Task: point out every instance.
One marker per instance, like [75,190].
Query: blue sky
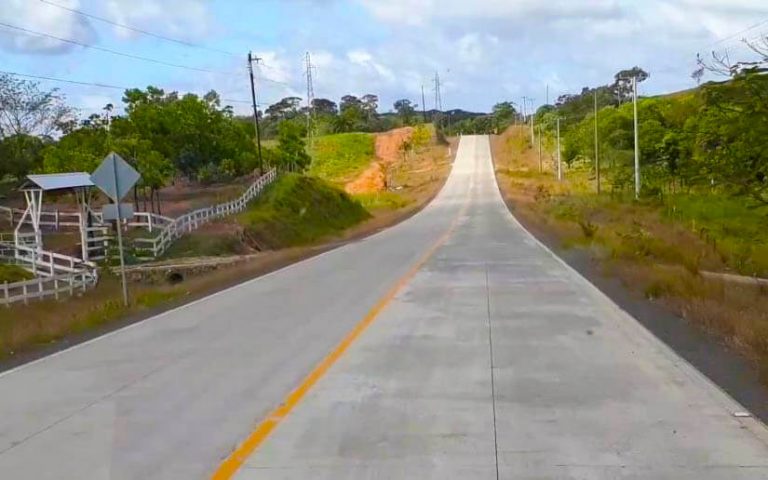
[484,50]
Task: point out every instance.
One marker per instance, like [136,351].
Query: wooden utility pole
[251,59]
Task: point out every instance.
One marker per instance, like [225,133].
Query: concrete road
[493,360]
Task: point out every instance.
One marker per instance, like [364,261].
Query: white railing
[56,274]
[44,287]
[48,218]
[150,248]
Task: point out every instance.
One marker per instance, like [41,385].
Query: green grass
[299,210]
[738,231]
[204,244]
[340,158]
[381,200]
[14,273]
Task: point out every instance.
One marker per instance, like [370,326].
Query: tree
[369,105]
[504,113]
[405,109]
[25,109]
[286,108]
[20,154]
[323,106]
[291,148]
[622,85]
[732,130]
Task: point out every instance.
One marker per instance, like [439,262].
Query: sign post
[115,177]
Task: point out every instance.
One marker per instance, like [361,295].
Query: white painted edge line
[755,426]
[145,321]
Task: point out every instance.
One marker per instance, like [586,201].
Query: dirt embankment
[374,178]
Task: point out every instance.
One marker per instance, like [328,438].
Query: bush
[298,210]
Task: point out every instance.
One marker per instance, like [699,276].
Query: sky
[484,51]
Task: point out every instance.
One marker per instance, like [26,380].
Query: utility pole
[423,105]
[251,59]
[541,165]
[530,121]
[310,101]
[597,150]
[637,141]
[559,164]
[525,113]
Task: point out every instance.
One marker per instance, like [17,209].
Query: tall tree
[622,85]
[26,109]
[291,147]
[323,106]
[406,109]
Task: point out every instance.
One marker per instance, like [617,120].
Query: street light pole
[541,166]
[559,164]
[597,150]
[637,141]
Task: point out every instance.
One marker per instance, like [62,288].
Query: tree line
[709,138]
[169,136]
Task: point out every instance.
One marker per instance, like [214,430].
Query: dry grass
[653,253]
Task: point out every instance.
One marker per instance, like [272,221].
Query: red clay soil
[373,179]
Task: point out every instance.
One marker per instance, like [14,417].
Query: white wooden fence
[48,218]
[151,248]
[57,274]
[44,287]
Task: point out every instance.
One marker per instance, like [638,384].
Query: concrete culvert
[173,277]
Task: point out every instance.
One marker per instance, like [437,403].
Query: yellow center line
[229,467]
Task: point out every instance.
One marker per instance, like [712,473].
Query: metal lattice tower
[438,96]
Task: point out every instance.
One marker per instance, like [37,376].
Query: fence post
[6,295]
[82,280]
[56,287]
[71,280]
[24,293]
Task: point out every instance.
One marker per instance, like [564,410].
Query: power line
[91,84]
[110,51]
[734,35]
[138,30]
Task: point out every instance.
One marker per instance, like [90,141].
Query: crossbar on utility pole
[251,59]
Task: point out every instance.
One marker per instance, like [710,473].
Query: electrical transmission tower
[438,96]
[310,99]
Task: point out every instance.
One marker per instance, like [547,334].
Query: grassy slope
[14,273]
[340,158]
[657,248]
[298,210]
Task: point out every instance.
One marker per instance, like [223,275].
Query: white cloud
[362,58]
[40,17]
[180,18]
